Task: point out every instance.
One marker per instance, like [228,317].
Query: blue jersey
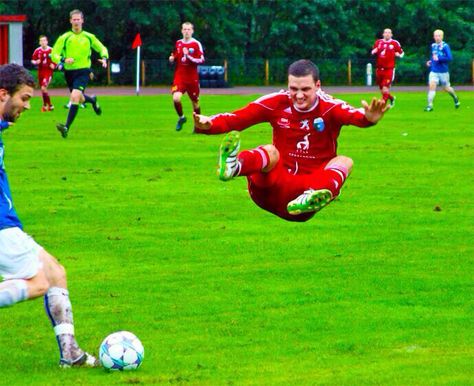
[443,52]
[8,216]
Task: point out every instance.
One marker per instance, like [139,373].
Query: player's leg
[433,83]
[59,310]
[233,164]
[19,266]
[177,92]
[193,92]
[450,90]
[325,186]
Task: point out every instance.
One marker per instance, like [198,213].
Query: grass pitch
[375,289]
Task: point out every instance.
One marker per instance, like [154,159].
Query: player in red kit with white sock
[300,172]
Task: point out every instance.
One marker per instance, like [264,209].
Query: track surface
[241,90]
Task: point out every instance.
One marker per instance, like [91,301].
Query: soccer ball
[121,350]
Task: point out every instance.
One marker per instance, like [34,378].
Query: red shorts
[273,191]
[192,88]
[384,77]
[44,78]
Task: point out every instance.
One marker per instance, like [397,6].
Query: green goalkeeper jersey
[77,46]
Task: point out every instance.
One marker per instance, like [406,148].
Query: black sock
[72,115]
[88,99]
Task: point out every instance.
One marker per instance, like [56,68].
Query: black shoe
[63,129]
[95,106]
[181,122]
[457,103]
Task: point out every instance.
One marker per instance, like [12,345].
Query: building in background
[11,38]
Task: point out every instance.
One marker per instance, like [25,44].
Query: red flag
[137,42]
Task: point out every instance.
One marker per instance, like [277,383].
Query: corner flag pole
[137,42]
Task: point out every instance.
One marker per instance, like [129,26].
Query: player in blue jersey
[439,70]
[29,271]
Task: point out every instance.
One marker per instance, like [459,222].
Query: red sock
[45,98]
[179,108]
[334,178]
[385,96]
[48,99]
[253,161]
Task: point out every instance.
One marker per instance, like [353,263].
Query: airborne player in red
[42,58]
[187,55]
[386,49]
[300,173]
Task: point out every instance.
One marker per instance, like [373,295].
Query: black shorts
[77,79]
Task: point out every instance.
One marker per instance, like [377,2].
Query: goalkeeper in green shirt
[74,49]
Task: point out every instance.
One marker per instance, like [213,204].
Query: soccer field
[376,289]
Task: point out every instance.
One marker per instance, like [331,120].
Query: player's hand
[374,51]
[52,66]
[375,111]
[428,63]
[397,54]
[202,122]
[103,62]
[171,58]
[435,58]
[69,60]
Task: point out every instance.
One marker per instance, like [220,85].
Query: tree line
[248,29]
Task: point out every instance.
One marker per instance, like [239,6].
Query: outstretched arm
[238,120]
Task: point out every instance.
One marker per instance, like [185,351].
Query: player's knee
[38,286]
[273,156]
[177,97]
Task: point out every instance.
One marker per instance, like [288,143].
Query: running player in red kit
[187,55]
[386,50]
[42,58]
[300,173]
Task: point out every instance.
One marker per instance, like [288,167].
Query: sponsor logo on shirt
[284,123]
[318,124]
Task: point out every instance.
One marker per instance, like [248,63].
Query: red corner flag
[137,42]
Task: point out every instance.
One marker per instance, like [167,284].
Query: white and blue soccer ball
[121,350]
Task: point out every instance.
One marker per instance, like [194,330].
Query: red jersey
[386,50]
[305,139]
[45,59]
[186,65]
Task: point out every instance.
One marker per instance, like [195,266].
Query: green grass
[375,289]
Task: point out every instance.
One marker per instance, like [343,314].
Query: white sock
[13,291]
[59,310]
[431,95]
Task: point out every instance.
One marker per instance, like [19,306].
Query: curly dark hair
[13,76]
[304,67]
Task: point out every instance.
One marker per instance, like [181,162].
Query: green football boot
[228,163]
[310,201]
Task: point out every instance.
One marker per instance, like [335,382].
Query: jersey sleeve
[98,47]
[35,55]
[345,114]
[399,49]
[447,57]
[198,55]
[58,48]
[241,119]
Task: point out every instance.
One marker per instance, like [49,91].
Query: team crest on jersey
[191,50]
[318,124]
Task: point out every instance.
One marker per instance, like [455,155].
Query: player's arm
[34,58]
[198,56]
[375,48]
[98,47]
[447,57]
[399,51]
[241,119]
[366,116]
[58,49]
